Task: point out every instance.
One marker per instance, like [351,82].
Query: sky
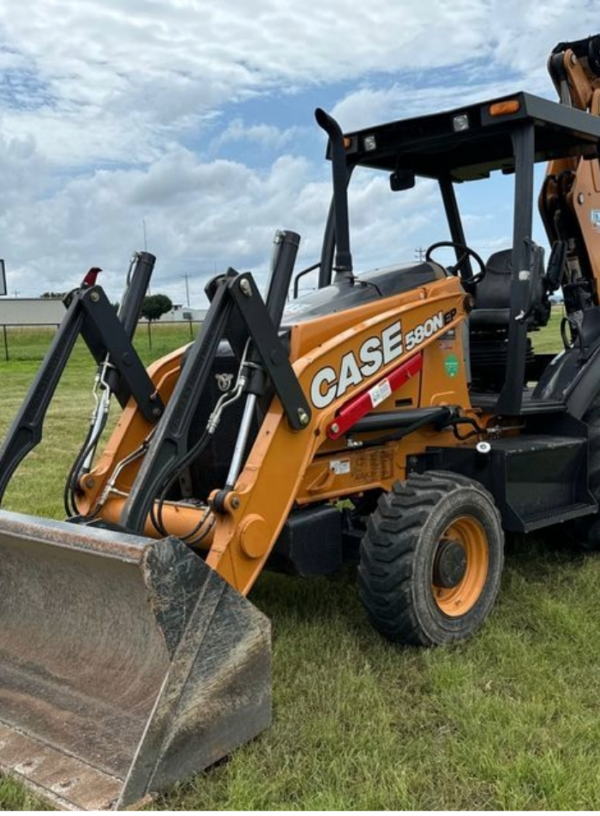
[187,127]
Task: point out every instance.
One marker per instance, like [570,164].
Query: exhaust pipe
[343,256]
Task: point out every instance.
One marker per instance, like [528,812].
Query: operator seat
[492,294]
[490,319]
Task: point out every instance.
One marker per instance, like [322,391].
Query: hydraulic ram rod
[284,257]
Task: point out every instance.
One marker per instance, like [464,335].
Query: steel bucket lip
[83,655]
[215,692]
[57,795]
[112,544]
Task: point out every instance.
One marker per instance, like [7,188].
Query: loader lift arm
[109,339]
[235,296]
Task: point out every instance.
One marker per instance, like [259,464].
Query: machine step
[537,521]
[536,479]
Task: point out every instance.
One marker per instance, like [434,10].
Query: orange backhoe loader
[400,418]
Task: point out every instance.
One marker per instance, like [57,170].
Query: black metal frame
[517,130]
[510,400]
[237,313]
[538,478]
[108,336]
[453,217]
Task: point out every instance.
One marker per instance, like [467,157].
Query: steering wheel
[466,252]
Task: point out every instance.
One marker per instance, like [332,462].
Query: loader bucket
[125,663]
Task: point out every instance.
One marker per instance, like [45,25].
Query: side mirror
[556,265]
[402,180]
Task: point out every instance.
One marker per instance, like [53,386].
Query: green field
[508,720]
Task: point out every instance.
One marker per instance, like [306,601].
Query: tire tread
[387,552]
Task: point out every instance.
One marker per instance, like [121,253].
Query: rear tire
[431,560]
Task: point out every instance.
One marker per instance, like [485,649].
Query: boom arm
[570,195]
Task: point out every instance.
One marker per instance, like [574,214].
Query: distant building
[50,311]
[31,311]
[183,313]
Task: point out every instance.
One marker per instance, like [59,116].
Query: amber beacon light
[504,108]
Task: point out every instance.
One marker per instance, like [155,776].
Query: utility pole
[187,288]
[420,254]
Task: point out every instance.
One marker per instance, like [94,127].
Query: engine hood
[346,294]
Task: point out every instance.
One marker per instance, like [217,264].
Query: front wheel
[431,559]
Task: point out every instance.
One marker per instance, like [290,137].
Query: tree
[156,305]
[49,295]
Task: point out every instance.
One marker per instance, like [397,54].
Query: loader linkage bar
[91,315]
[237,313]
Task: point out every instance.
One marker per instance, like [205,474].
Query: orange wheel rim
[457,600]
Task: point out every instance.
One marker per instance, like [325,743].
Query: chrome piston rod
[285,249]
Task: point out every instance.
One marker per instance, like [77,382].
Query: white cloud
[130,75]
[102,106]
[264,135]
[198,217]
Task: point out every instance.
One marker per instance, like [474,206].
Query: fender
[571,380]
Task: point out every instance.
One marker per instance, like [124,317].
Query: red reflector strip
[354,410]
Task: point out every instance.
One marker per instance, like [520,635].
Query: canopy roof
[469,142]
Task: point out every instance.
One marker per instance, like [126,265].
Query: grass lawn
[508,720]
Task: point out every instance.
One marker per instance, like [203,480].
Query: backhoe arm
[575,71]
[569,200]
